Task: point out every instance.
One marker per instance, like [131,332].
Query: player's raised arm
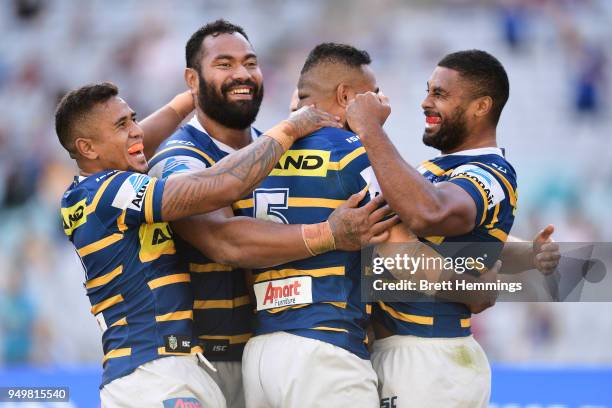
[238,174]
[221,236]
[444,209]
[160,124]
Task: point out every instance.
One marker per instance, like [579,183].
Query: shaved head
[332,75]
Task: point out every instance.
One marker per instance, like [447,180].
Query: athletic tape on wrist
[182,104]
[318,238]
[282,133]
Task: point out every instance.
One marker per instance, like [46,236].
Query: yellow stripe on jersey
[222,304]
[369,308]
[483,194]
[74,216]
[432,168]
[94,203]
[180,315]
[120,322]
[410,318]
[325,328]
[314,202]
[104,279]
[236,339]
[169,280]
[193,149]
[435,239]
[105,304]
[506,183]
[149,201]
[499,234]
[346,160]
[162,351]
[465,323]
[283,308]
[340,305]
[121,222]
[122,352]
[286,273]
[495,218]
[100,244]
[296,202]
[209,267]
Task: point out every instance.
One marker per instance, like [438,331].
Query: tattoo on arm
[222,184]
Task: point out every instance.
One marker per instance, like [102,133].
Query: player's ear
[192,80]
[344,94]
[85,148]
[483,106]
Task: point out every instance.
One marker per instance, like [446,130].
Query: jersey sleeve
[179,164]
[482,185]
[131,199]
[354,170]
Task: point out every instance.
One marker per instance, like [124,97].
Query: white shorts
[163,383]
[431,372]
[282,370]
[229,379]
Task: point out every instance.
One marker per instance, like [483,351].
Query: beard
[452,132]
[232,114]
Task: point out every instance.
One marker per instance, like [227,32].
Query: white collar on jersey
[228,149]
[477,152]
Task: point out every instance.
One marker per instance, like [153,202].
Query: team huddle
[223,263]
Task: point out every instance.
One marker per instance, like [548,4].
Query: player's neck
[235,138]
[476,140]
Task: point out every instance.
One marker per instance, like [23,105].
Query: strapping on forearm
[318,238]
[182,104]
[283,134]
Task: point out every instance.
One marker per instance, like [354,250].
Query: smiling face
[446,108]
[230,88]
[111,138]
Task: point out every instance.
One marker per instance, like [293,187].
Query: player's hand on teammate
[367,111]
[546,253]
[354,228]
[485,299]
[309,119]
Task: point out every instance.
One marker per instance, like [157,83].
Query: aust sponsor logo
[155,240]
[132,192]
[313,163]
[283,292]
[489,184]
[74,216]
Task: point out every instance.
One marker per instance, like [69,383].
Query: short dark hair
[334,52]
[485,72]
[75,105]
[193,49]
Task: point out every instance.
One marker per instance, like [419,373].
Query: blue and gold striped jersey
[318,297]
[139,291]
[491,182]
[222,307]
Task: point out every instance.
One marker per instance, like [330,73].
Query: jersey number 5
[268,200]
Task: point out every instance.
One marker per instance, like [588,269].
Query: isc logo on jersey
[313,163]
[131,193]
[283,292]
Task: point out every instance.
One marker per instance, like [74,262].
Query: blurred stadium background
[556,129]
